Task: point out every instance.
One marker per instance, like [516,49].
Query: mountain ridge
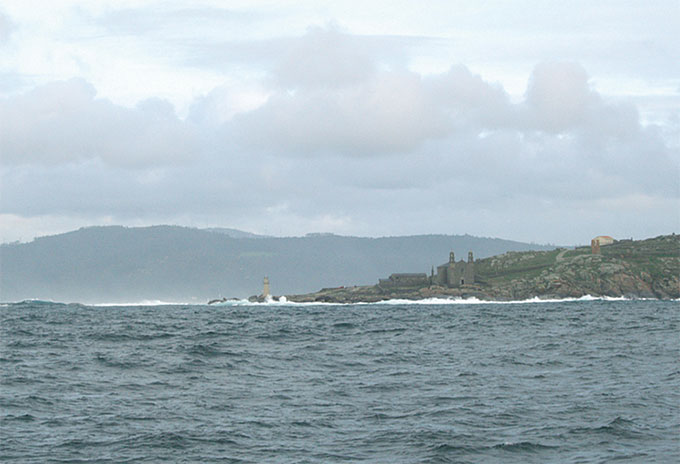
[118,263]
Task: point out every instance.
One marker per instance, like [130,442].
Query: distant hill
[234,233]
[171,263]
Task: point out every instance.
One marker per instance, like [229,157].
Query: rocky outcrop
[637,269]
[587,275]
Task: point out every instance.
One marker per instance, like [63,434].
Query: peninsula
[615,268]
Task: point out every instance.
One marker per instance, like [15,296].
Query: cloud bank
[345,141]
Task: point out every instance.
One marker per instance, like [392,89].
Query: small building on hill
[599,241]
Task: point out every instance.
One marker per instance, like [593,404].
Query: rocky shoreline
[627,268]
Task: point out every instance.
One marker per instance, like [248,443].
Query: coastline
[285,302]
[644,269]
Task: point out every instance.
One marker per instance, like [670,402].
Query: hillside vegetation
[639,269]
[120,264]
[644,268]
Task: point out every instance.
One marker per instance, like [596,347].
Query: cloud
[6,27]
[63,122]
[169,19]
[385,114]
[337,135]
[559,96]
[332,96]
[325,59]
[465,100]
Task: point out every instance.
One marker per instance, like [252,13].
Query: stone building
[599,241]
[455,274]
[452,274]
[405,280]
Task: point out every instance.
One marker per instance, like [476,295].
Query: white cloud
[386,113]
[329,129]
[6,27]
[64,122]
[323,59]
[559,97]
[450,141]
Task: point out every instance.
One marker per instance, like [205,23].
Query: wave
[473,301]
[283,301]
[147,303]
[33,301]
[37,302]
[523,446]
[432,301]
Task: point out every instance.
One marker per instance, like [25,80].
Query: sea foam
[284,302]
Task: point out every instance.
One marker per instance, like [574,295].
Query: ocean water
[558,382]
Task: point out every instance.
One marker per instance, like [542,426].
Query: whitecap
[144,303]
[283,301]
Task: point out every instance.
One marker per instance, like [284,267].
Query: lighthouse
[265,290]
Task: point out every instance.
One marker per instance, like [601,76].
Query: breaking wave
[433,301]
[146,303]
[284,302]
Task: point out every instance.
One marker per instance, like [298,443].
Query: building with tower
[452,275]
[455,274]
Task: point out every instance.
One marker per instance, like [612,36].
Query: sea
[571,381]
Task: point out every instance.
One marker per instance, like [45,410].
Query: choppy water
[587,382]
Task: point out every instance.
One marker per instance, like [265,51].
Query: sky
[541,121]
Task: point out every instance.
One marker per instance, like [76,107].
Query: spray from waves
[430,301]
[146,303]
[281,302]
[284,302]
[38,302]
[473,300]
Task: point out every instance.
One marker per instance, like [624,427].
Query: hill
[643,269]
[170,263]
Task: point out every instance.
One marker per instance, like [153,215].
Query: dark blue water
[584,381]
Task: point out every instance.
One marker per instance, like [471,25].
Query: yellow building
[599,241]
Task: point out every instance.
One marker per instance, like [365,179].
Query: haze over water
[571,381]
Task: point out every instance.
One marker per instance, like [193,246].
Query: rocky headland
[626,268]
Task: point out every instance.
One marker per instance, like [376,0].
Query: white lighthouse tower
[265,290]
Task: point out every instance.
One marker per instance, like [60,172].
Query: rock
[644,269]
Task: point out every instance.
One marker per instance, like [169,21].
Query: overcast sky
[545,121]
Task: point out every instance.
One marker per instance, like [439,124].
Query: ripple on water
[579,381]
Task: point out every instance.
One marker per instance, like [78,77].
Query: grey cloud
[288,59]
[447,136]
[13,81]
[325,58]
[64,122]
[164,20]
[448,185]
[6,26]
[395,112]
[466,100]
[337,98]
[387,113]
[345,139]
[559,96]
[211,109]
